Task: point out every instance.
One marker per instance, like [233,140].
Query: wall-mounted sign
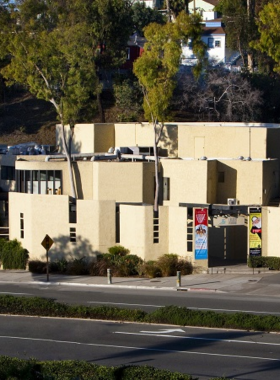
[201,233]
[255,232]
[228,221]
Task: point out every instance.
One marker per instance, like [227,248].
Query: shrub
[37,266]
[13,255]
[168,264]
[59,266]
[151,269]
[128,266]
[121,266]
[78,267]
[264,262]
[118,250]
[185,267]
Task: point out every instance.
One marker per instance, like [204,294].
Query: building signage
[223,221]
[255,232]
[201,233]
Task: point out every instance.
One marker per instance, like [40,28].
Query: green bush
[264,262]
[118,250]
[58,266]
[13,368]
[121,266]
[168,264]
[151,269]
[185,267]
[37,266]
[78,267]
[13,255]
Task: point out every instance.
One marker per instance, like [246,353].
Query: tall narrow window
[166,188]
[117,224]
[156,228]
[21,225]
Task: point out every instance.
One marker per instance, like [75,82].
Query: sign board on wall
[201,233]
[255,232]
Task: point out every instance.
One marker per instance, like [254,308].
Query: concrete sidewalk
[265,283]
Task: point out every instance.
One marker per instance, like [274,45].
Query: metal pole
[178,278]
[109,276]
[47,265]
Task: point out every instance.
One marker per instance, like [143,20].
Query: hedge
[174,315]
[19,369]
[264,262]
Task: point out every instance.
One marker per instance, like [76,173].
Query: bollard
[109,276]
[178,278]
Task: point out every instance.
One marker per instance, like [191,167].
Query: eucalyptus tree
[157,67]
[56,49]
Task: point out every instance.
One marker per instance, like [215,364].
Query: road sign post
[47,243]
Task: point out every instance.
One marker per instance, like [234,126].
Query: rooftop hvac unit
[232,201]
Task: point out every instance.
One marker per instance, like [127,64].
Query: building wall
[270,231]
[96,224]
[136,232]
[142,134]
[188,180]
[122,181]
[227,140]
[88,138]
[42,214]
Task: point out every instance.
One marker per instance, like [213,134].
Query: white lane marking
[139,348]
[236,311]
[27,294]
[121,303]
[163,331]
[159,334]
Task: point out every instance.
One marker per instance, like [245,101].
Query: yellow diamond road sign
[47,242]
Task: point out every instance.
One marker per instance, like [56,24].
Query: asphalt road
[150,299]
[204,353]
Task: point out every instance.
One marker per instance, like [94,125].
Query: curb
[89,285]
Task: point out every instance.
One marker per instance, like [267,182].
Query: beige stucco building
[227,169]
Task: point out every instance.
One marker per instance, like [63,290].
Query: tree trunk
[168,11]
[69,163]
[250,15]
[156,199]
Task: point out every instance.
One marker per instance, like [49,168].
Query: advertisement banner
[255,232]
[201,233]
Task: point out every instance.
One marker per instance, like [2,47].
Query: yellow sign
[47,242]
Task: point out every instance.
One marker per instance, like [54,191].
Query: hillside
[24,118]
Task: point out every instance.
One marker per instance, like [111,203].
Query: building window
[156,228]
[210,43]
[73,234]
[117,224]
[8,173]
[128,54]
[21,225]
[218,43]
[166,188]
[39,181]
[221,177]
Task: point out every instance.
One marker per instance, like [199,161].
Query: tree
[143,16]
[269,29]
[156,70]
[50,50]
[220,96]
[57,48]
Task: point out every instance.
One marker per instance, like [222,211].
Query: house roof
[212,2]
[207,31]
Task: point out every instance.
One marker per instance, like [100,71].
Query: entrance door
[227,245]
